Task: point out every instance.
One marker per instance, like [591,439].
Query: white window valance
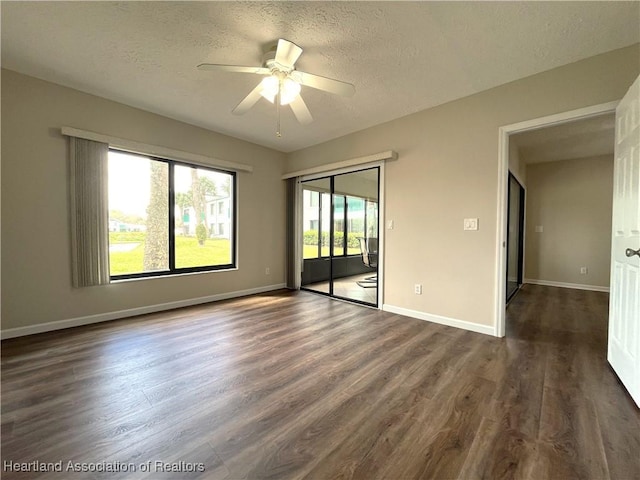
[343,164]
[159,151]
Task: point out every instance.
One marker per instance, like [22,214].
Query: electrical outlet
[267,271]
[583,270]
[471,224]
[390,224]
[539,229]
[417,288]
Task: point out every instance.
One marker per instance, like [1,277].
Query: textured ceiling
[401,56]
[580,139]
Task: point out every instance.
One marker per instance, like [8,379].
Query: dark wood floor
[294,385]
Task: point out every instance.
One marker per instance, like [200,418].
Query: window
[158,217]
[353,217]
[371,219]
[355,224]
[339,211]
[311,225]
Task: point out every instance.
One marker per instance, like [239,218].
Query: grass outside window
[214,251]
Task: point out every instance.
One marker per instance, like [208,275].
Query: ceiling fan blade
[301,111]
[323,83]
[234,68]
[249,101]
[287,53]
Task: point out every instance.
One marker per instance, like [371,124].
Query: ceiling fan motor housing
[269,53]
[269,61]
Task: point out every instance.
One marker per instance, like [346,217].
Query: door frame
[503,179]
[381,217]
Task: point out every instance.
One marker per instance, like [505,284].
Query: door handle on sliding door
[630,252]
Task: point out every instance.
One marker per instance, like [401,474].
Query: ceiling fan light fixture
[290,90]
[271,84]
[269,88]
[281,79]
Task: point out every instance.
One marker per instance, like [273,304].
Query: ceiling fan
[281,82]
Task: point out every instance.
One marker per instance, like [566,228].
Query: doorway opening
[505,164]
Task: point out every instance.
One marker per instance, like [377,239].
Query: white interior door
[624,309]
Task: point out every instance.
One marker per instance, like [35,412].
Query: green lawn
[188,253]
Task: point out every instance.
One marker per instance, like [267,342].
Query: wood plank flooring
[295,385]
[348,288]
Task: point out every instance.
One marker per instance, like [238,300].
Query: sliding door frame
[381,222]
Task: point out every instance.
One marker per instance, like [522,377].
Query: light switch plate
[471,224]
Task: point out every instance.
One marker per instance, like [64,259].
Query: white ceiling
[580,139]
[401,56]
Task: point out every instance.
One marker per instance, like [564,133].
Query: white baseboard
[577,286]
[450,322]
[103,317]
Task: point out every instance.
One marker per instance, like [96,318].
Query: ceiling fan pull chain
[278,134]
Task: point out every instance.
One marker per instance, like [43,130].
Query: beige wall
[516,166]
[572,201]
[448,170]
[36,278]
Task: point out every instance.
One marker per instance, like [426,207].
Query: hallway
[585,423]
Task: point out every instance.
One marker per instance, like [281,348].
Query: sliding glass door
[316,227]
[340,235]
[515,229]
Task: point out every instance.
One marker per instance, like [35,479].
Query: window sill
[173,275]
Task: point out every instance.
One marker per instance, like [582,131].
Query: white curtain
[89,212]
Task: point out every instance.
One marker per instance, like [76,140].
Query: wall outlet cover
[471,224]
